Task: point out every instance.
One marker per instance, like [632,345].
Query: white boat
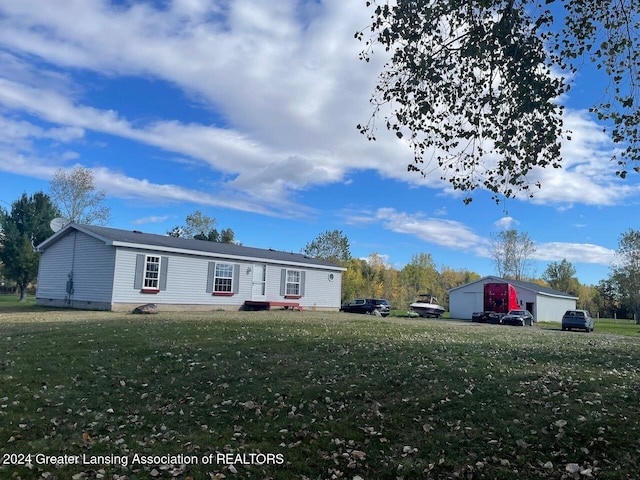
[427,306]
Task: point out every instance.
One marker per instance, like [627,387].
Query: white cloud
[284,79]
[447,233]
[142,190]
[458,236]
[574,252]
[283,75]
[506,222]
[151,219]
[588,174]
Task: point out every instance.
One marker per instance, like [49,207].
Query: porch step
[267,304]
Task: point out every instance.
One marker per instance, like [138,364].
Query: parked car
[580,319]
[486,317]
[518,317]
[372,306]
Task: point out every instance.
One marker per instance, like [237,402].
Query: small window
[293,282]
[223,278]
[152,273]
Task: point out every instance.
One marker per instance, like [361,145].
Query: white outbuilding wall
[546,304]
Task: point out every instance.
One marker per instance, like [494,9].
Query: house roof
[137,239]
[534,287]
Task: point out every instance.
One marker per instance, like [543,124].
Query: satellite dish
[57,223]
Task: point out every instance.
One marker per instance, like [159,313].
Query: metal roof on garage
[520,284]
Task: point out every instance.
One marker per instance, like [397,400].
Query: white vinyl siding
[188,278]
[90,262]
[113,276]
[469,298]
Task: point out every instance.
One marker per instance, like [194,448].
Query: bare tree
[76,197]
[511,253]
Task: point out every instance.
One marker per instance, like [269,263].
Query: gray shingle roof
[539,288]
[197,246]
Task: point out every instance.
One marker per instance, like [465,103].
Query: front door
[258,291]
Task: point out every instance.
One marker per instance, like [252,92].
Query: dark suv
[372,306]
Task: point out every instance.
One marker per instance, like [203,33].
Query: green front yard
[311,395]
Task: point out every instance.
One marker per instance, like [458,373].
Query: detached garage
[544,303]
[99,268]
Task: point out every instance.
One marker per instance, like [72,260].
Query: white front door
[258,291]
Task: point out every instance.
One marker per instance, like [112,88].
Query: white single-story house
[544,303]
[100,268]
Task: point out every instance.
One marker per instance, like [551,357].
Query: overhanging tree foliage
[25,227]
[473,85]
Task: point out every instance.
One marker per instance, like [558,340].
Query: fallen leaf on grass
[572,468]
[560,423]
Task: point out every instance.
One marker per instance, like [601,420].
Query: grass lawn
[605,325]
[11,302]
[311,395]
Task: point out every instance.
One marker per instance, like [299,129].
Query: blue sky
[246,110]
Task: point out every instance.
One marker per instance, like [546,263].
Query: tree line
[27,224]
[372,277]
[511,252]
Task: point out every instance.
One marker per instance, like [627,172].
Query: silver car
[578,319]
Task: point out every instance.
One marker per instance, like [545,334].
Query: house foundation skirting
[79,304]
[128,307]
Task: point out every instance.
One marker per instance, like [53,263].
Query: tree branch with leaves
[473,86]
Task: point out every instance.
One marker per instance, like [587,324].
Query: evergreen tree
[24,228]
